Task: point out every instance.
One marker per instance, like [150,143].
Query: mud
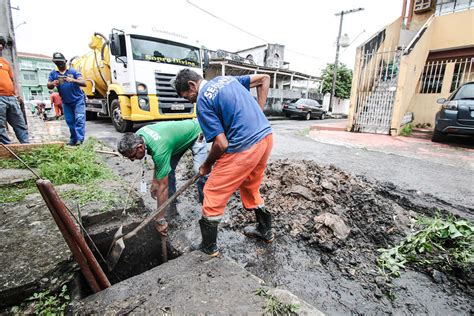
[329,226]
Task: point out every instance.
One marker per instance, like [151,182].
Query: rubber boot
[209,237]
[263,230]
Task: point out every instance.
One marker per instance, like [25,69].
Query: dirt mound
[319,199]
[325,215]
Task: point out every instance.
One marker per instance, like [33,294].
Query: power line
[228,23]
[247,32]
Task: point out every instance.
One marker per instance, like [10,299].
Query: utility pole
[9,51]
[338,45]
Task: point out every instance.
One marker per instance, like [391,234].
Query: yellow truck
[129,76]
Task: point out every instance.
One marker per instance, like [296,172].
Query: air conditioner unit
[422,6]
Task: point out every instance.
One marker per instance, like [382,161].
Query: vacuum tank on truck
[129,76]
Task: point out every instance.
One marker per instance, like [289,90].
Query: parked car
[456,115]
[306,108]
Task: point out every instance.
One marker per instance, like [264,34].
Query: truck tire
[120,124]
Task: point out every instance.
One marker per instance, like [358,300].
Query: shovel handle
[161,209]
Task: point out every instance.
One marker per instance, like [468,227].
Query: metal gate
[376,89]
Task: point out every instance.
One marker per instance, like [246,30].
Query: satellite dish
[344,41]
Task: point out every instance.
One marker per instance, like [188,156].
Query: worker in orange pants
[241,139]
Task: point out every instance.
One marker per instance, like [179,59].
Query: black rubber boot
[209,237]
[263,230]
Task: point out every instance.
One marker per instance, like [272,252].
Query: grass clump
[443,244]
[78,165]
[45,303]
[16,192]
[407,130]
[275,307]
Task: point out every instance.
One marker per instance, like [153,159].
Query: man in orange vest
[9,108]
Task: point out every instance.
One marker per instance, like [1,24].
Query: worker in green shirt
[166,142]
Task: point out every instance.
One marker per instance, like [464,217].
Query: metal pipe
[76,251]
[410,13]
[60,208]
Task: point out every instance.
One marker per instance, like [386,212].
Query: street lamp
[338,45]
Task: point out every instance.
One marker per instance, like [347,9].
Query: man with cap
[68,82]
[9,109]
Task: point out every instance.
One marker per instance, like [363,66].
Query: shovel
[118,243]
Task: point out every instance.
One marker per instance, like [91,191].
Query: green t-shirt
[165,139]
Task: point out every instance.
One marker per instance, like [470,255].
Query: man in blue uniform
[68,82]
[242,141]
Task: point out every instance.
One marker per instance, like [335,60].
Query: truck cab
[129,76]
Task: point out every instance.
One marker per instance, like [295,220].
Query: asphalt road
[453,184]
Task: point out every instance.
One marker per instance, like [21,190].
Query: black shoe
[70,143]
[263,230]
[79,143]
[209,237]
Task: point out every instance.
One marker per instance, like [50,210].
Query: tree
[343,80]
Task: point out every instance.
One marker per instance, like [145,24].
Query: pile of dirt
[344,218]
[323,206]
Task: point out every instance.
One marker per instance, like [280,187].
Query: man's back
[166,139]
[225,105]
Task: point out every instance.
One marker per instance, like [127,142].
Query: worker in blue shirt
[233,120]
[68,82]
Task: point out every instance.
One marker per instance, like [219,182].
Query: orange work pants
[243,170]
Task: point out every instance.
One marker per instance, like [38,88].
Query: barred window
[431,80]
[463,72]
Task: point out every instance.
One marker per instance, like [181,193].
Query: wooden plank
[20,148]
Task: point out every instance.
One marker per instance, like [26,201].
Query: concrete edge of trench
[193,283]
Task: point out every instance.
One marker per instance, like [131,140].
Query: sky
[307,28]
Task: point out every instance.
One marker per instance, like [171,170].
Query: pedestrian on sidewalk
[68,82]
[10,111]
[166,142]
[241,139]
[57,103]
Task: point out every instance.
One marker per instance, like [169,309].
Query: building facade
[286,85]
[402,70]
[34,71]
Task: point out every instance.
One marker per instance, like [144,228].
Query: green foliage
[16,192]
[72,165]
[46,303]
[445,244]
[343,80]
[406,130]
[273,306]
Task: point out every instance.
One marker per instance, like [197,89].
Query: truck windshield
[166,52]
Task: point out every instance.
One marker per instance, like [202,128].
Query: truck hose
[106,43]
[98,68]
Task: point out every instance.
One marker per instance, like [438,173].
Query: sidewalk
[41,131]
[418,145]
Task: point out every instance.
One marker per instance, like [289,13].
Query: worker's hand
[162,227]
[69,79]
[154,189]
[19,99]
[205,169]
[56,83]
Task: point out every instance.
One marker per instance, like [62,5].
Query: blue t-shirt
[70,92]
[225,105]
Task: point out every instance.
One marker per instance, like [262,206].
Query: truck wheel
[91,116]
[120,124]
